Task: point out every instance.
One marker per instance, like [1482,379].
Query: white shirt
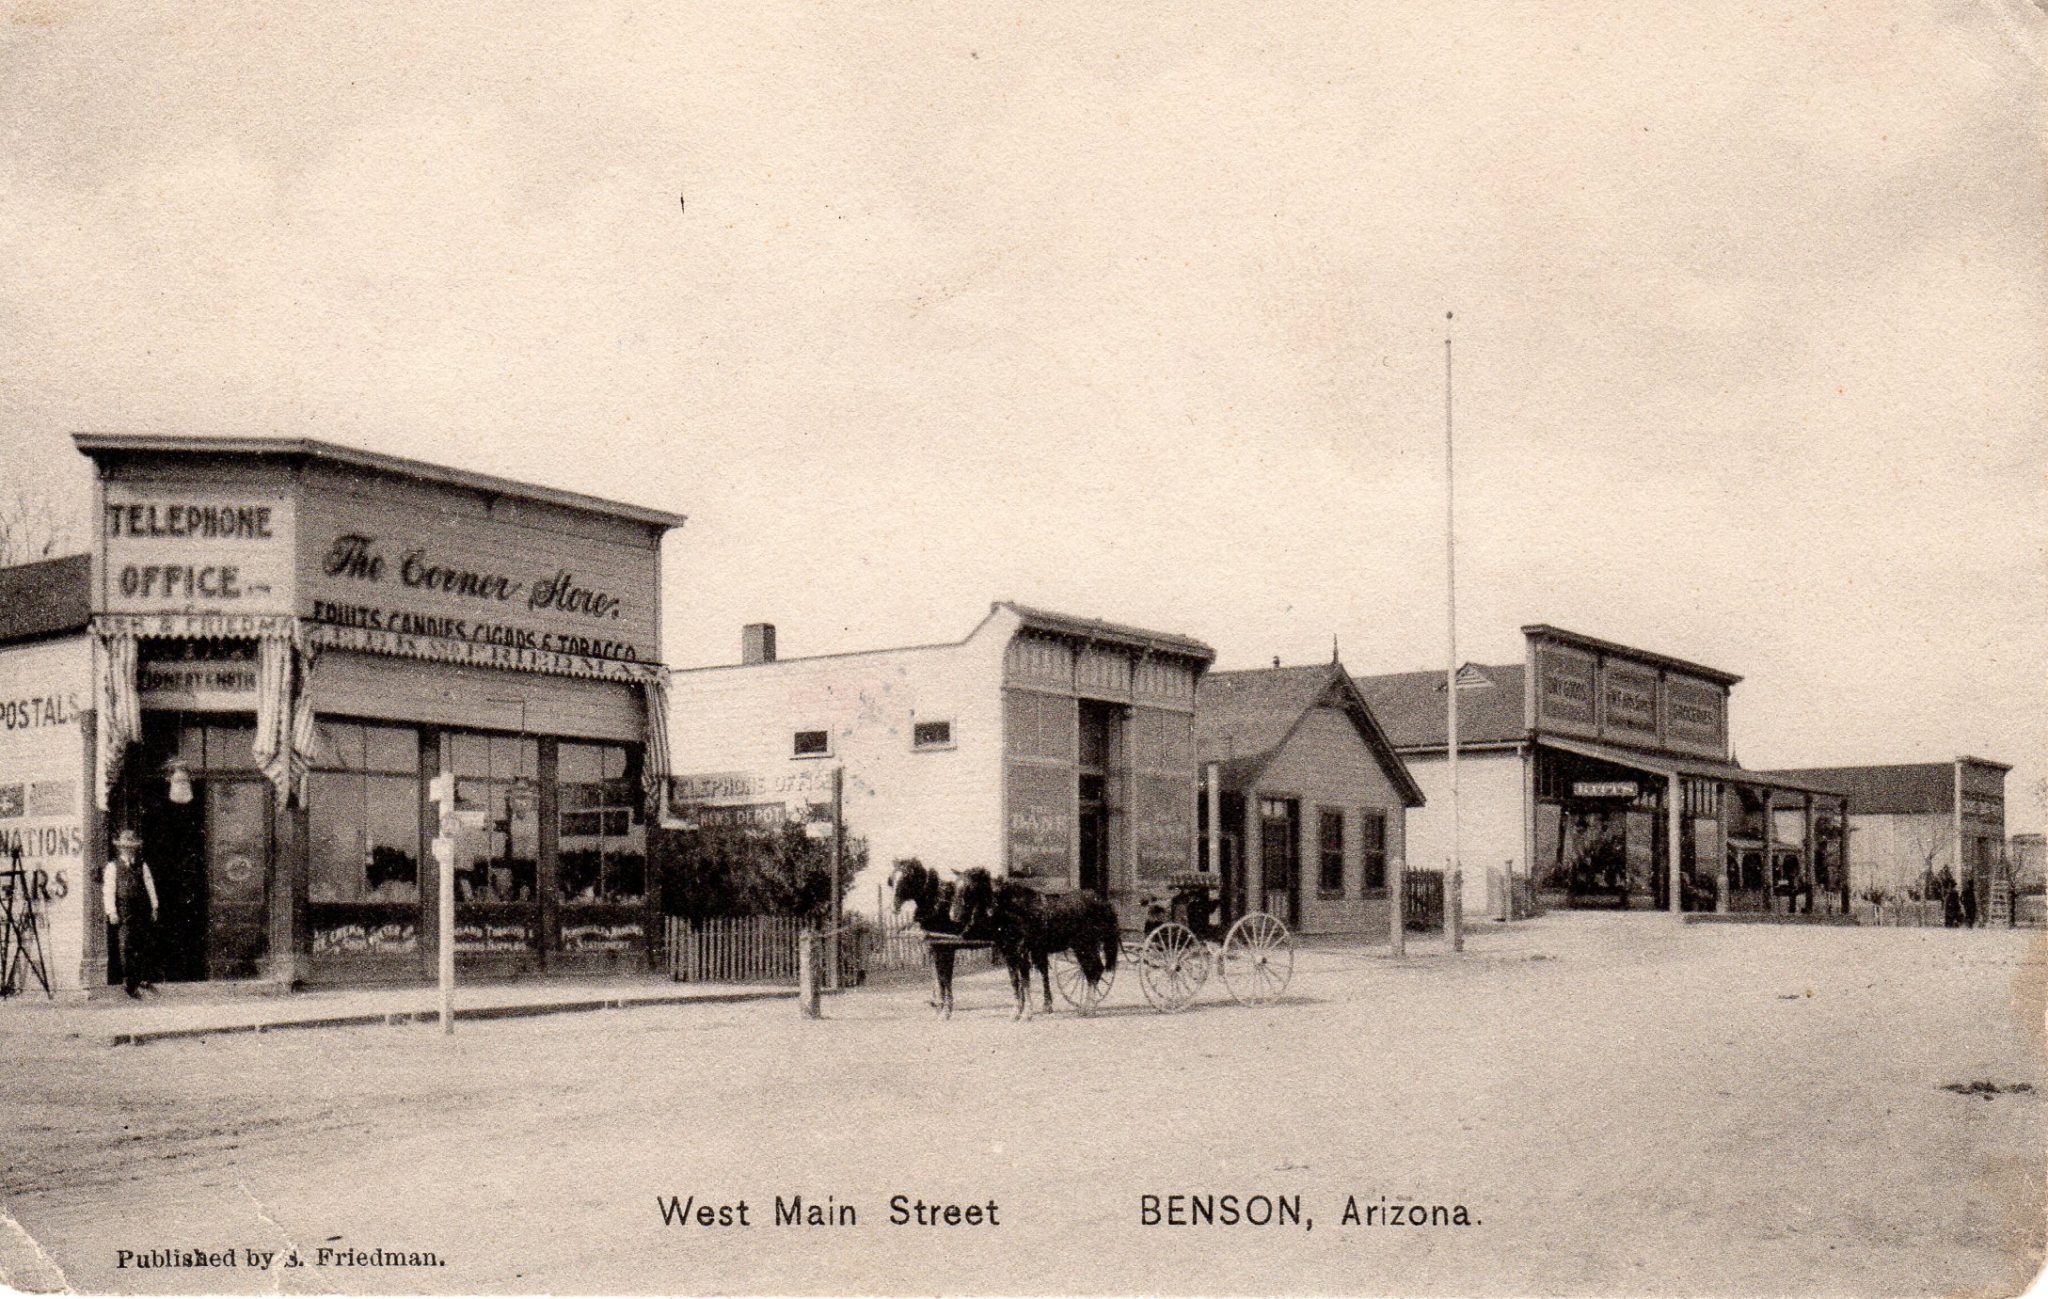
[108,891]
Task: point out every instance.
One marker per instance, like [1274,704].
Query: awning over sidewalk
[1666,765]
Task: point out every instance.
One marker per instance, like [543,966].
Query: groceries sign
[1606,695]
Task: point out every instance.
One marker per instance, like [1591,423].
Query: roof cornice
[97,445]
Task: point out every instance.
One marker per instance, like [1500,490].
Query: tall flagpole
[1451,606]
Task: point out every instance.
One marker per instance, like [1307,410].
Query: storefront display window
[363,814]
[498,773]
[601,830]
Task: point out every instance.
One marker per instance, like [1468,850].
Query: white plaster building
[1052,748]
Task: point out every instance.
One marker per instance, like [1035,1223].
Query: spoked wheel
[1074,989]
[1172,966]
[1258,959]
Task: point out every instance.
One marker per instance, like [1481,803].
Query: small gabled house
[1312,801]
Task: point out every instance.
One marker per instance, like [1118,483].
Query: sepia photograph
[1063,649]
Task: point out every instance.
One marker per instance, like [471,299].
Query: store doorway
[174,848]
[1100,759]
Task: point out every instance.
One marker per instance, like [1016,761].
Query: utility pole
[1451,610]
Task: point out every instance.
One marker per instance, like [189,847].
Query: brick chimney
[757,643]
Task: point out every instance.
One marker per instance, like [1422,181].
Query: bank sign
[195,549]
[1638,702]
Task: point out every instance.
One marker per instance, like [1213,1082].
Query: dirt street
[1617,1105]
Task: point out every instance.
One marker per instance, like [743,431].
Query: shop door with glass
[237,869]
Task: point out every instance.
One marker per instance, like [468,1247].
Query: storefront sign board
[196,548]
[473,577]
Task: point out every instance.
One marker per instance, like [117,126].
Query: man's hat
[127,839]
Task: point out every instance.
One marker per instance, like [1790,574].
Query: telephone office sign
[758,800]
[189,548]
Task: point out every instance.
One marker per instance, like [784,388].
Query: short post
[838,870]
[442,791]
[807,972]
[1454,908]
[1397,897]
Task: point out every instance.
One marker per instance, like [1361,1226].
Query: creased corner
[291,1247]
[25,1264]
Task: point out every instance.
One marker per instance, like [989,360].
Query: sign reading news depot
[174,548]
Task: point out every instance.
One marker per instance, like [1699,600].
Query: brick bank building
[273,647]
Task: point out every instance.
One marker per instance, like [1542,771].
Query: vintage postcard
[1192,649]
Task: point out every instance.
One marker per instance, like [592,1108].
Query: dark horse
[1027,928]
[933,904]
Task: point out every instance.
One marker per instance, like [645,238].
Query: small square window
[811,744]
[931,735]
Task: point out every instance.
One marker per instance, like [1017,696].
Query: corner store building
[273,648]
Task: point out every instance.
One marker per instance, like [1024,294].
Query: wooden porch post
[1770,862]
[1674,826]
[1722,792]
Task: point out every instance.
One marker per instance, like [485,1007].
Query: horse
[932,901]
[1027,928]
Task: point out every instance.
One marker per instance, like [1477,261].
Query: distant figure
[128,892]
[1951,905]
[1970,903]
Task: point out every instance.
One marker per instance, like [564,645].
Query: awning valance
[1667,764]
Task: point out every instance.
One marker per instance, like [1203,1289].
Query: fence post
[1397,894]
[807,972]
[1454,908]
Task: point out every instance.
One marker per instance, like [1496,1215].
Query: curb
[521,1011]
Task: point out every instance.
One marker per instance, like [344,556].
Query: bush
[718,871]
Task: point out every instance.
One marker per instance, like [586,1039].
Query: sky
[1135,312]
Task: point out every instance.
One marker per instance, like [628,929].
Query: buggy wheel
[1258,959]
[1074,989]
[1172,966]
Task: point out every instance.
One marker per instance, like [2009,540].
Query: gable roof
[1243,718]
[1892,788]
[1410,705]
[47,598]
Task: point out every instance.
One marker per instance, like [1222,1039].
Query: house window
[931,735]
[811,744]
[1330,846]
[1372,849]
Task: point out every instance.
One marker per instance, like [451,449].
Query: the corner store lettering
[354,555]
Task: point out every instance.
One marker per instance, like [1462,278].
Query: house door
[1280,858]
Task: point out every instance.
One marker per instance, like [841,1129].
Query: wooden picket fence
[1422,908]
[763,949]
[738,949]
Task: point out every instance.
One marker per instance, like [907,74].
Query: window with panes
[363,814]
[601,830]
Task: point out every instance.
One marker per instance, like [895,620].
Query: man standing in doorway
[128,892]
